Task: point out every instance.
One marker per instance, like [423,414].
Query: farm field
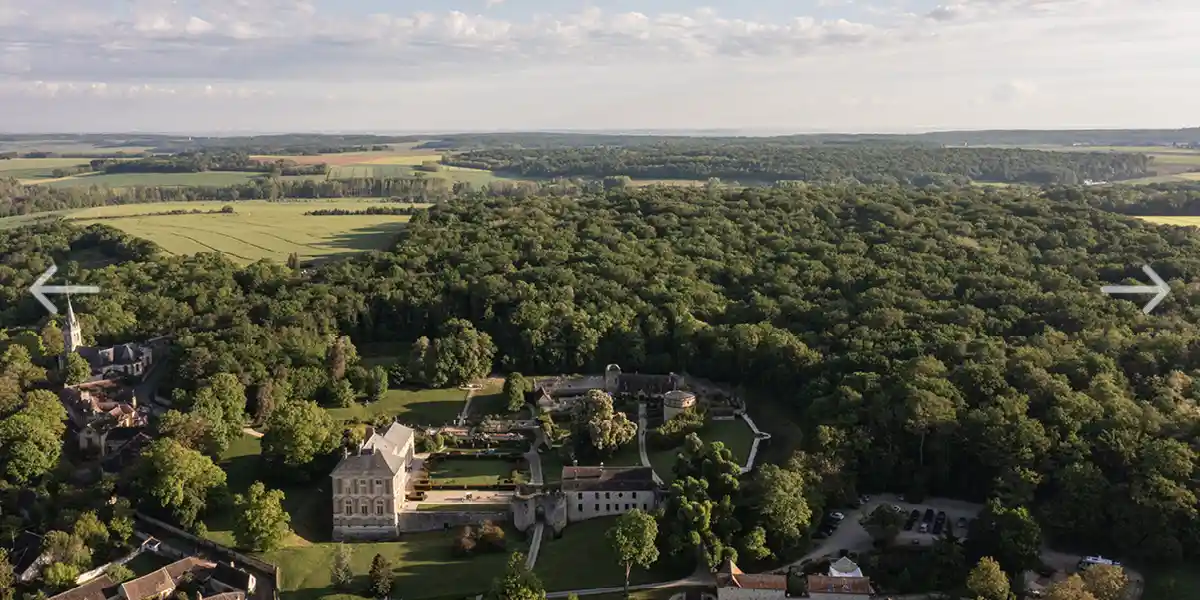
[258,229]
[398,162]
[414,407]
[1180,221]
[32,168]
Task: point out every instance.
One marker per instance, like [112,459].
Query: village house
[843,581]
[223,582]
[605,491]
[369,486]
[105,411]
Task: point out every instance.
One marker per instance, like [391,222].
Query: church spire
[72,333]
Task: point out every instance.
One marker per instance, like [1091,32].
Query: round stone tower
[677,401]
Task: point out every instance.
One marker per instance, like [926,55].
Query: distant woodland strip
[771,162]
[373,210]
[225,210]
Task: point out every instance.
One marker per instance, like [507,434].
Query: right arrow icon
[1160,289]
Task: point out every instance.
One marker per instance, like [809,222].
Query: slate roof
[582,479]
[100,588]
[381,453]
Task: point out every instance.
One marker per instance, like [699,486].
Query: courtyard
[735,434]
[475,472]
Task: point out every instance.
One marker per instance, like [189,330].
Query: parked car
[941,517]
[928,518]
[961,524]
[937,527]
[924,528]
[837,516]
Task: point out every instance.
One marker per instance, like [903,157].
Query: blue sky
[441,65]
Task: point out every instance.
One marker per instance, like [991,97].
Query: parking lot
[924,529]
[849,534]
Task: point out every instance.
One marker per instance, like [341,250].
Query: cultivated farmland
[257,229]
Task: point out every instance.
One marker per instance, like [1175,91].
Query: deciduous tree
[515,387]
[632,539]
[517,582]
[340,573]
[987,581]
[261,522]
[177,480]
[298,432]
[1106,582]
[600,429]
[77,369]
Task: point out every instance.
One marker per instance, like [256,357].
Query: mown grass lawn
[422,567]
[559,563]
[412,407]
[735,434]
[471,471]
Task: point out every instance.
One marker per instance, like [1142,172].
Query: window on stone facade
[607,508]
[339,486]
[379,507]
[580,509]
[348,507]
[597,508]
[362,508]
[596,495]
[581,495]
[620,494]
[379,486]
[633,494]
[607,495]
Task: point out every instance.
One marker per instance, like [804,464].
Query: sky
[776,66]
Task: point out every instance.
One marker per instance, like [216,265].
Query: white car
[896,507]
[837,516]
[924,528]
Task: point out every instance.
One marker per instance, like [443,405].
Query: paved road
[536,546]
[694,580]
[642,440]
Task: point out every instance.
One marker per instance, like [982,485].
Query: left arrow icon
[39,289]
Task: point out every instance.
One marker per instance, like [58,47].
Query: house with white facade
[369,486]
[605,491]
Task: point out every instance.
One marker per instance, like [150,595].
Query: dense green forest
[949,342]
[772,162]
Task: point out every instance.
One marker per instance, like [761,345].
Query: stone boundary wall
[412,521]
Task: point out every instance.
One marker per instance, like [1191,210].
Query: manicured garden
[413,407]
[470,471]
[735,434]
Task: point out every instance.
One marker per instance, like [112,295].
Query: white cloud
[981,62]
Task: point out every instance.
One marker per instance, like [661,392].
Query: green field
[258,229]
[558,563]
[30,168]
[419,407]
[1180,221]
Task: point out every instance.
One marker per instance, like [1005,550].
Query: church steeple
[72,333]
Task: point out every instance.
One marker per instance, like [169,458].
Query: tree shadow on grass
[373,237]
[431,571]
